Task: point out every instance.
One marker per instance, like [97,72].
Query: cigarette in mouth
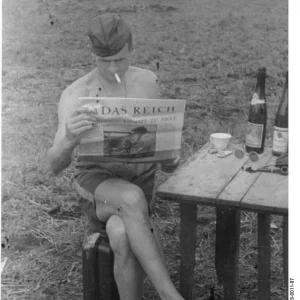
[117,78]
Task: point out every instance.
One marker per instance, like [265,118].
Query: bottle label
[255,100]
[254,135]
[280,139]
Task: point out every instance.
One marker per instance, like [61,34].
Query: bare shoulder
[79,88]
[145,83]
[69,97]
[142,75]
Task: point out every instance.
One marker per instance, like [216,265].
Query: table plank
[269,193]
[188,236]
[264,256]
[239,186]
[227,250]
[199,180]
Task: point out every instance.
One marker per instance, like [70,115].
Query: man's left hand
[169,167]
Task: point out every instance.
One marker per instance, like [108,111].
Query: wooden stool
[97,265]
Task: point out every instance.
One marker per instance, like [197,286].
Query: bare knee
[118,239]
[118,197]
[134,203]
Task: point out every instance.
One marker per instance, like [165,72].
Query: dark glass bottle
[281,128]
[257,119]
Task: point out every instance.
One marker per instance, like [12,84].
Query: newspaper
[133,130]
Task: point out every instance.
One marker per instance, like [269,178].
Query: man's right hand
[80,121]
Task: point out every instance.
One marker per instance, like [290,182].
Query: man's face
[116,64]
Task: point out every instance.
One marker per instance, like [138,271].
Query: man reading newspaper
[118,195]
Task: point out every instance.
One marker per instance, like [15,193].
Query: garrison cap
[108,34]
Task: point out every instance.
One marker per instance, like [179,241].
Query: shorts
[87,179]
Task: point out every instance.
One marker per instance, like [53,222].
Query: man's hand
[169,167]
[80,121]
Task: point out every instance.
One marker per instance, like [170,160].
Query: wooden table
[223,183]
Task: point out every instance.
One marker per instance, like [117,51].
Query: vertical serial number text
[292,289]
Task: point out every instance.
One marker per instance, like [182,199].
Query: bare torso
[136,83]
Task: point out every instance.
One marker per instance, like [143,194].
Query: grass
[209,53]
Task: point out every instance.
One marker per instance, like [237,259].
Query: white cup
[220,140]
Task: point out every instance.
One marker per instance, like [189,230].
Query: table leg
[188,230]
[264,256]
[227,250]
[286,253]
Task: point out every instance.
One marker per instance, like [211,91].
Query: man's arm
[71,127]
[59,156]
[170,167]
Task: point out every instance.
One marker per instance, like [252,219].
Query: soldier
[117,195]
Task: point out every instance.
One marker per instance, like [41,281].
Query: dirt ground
[208,51]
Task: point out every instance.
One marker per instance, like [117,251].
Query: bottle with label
[280,135]
[257,119]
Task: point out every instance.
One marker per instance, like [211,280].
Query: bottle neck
[259,97]
[284,100]
[260,85]
[286,88]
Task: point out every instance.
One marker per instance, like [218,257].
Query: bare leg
[116,196]
[157,239]
[128,272]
